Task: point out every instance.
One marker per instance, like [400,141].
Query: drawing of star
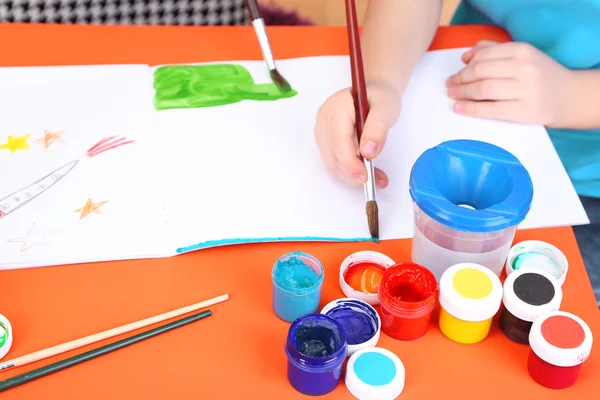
[34,236]
[90,207]
[15,143]
[49,138]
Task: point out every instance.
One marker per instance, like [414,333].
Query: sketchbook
[118,162]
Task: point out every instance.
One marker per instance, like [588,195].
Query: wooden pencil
[69,362]
[77,343]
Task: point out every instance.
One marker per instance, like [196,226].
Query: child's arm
[396,34]
[582,104]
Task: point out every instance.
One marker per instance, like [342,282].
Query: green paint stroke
[196,86]
[3,334]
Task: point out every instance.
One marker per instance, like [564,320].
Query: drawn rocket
[21,197]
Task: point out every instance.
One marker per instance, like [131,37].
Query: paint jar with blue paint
[360,321]
[375,374]
[468,198]
[316,349]
[297,284]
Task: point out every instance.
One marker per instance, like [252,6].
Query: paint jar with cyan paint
[528,293]
[316,349]
[560,344]
[468,198]
[361,273]
[375,374]
[407,296]
[297,284]
[360,321]
[470,297]
[535,254]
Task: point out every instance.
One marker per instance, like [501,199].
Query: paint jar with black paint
[528,293]
[316,349]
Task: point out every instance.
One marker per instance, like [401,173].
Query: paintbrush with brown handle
[361,106]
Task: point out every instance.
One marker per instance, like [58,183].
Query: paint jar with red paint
[407,295]
[560,343]
[361,273]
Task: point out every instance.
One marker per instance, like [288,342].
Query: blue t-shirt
[569,32]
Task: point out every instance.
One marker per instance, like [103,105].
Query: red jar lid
[561,338]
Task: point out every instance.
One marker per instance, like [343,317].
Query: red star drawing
[34,237]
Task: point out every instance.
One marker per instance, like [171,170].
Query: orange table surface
[239,351]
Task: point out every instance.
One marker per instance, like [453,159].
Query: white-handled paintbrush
[265,47]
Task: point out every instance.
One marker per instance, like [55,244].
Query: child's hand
[510,81]
[336,137]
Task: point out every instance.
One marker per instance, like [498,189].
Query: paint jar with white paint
[469,198]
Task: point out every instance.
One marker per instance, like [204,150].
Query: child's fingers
[487,89]
[381,117]
[374,136]
[347,158]
[478,70]
[507,110]
[468,55]
[501,50]
[381,179]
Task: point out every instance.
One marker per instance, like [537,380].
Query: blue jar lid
[482,176]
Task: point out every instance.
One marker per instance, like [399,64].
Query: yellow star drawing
[49,138]
[15,143]
[34,236]
[90,207]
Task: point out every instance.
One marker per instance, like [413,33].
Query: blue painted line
[225,242]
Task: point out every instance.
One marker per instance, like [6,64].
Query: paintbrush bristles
[280,81]
[373,218]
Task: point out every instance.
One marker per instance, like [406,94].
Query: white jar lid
[342,309]
[535,254]
[6,336]
[375,374]
[529,293]
[470,292]
[360,258]
[561,338]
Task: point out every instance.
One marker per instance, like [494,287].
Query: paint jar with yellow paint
[470,297]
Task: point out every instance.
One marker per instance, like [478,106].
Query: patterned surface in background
[134,12]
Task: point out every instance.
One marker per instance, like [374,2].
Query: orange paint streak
[364,277]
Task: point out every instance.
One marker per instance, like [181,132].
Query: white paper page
[99,206]
[251,171]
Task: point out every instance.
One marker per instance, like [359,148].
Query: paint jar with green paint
[6,336]
[538,255]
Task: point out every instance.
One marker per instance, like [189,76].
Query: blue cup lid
[482,176]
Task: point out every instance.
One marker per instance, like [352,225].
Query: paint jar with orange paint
[470,297]
[407,295]
[361,273]
[560,343]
